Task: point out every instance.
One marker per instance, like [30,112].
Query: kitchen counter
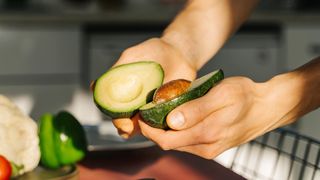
[151,163]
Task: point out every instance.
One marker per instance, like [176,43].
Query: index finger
[205,132]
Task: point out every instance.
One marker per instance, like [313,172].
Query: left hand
[235,111]
[173,62]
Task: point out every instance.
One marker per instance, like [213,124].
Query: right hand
[174,63]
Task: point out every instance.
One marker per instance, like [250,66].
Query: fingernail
[176,120]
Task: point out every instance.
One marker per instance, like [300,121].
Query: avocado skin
[128,114]
[156,115]
[114,114]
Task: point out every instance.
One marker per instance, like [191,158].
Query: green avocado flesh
[155,114]
[120,91]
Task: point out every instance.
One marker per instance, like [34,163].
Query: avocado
[154,114]
[120,91]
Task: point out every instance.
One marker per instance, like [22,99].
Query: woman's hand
[188,42]
[174,63]
[235,111]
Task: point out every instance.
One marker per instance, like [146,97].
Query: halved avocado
[154,114]
[123,89]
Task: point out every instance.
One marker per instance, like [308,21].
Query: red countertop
[151,163]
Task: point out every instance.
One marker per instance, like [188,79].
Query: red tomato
[5,168]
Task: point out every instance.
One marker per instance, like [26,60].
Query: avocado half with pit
[155,113]
[120,91]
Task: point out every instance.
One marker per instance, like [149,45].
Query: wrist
[310,77]
[289,96]
[186,56]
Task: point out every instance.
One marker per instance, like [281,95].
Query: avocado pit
[167,98]
[170,90]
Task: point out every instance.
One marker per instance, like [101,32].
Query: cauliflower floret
[18,136]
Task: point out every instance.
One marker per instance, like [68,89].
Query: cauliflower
[19,141]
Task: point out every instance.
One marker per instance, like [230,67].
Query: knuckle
[192,113]
[197,109]
[129,52]
[245,80]
[242,79]
[223,91]
[153,39]
[126,52]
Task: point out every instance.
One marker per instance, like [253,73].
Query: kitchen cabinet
[302,43]
[253,56]
[39,49]
[40,66]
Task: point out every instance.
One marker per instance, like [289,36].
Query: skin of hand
[187,43]
[174,63]
[238,110]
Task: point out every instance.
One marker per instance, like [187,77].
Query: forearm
[201,29]
[296,93]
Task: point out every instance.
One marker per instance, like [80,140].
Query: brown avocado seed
[170,90]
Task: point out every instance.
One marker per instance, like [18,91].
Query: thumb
[192,112]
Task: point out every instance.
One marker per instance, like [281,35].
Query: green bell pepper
[62,140]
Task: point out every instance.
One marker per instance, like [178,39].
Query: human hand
[174,63]
[235,111]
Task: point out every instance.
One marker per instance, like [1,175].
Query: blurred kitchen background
[51,50]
